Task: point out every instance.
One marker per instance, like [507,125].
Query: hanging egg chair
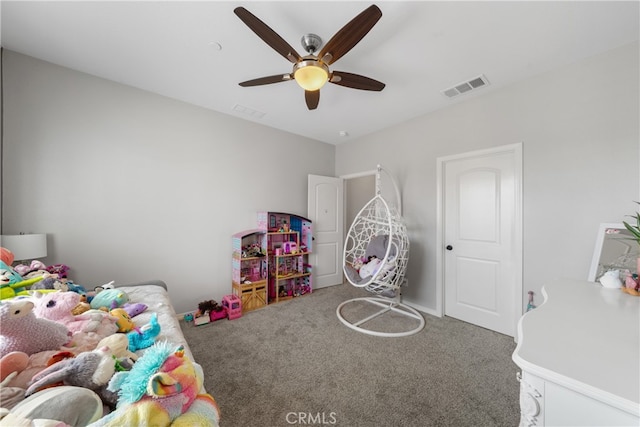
[376,253]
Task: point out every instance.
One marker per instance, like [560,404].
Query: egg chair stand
[376,253]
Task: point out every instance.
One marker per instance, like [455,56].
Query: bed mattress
[157,300]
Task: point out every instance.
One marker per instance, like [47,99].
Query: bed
[202,410]
[154,294]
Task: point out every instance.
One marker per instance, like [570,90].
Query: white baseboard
[430,311]
[180,316]
[422,309]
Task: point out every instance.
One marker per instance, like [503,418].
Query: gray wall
[358,191]
[131,186]
[579,130]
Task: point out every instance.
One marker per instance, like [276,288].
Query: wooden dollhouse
[271,262]
[289,243]
[249,268]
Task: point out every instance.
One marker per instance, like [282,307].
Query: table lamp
[25,247]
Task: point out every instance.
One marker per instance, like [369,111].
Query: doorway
[479,276]
[357,192]
[333,204]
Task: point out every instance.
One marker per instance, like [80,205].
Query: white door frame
[516,149]
[358,174]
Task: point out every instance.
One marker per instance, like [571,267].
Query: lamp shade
[310,74]
[311,78]
[25,246]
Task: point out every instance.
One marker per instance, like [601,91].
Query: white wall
[132,186]
[579,129]
[358,192]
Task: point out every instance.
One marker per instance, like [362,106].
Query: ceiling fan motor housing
[311,42]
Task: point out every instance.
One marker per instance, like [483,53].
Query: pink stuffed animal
[58,306]
[35,363]
[14,361]
[6,256]
[35,265]
[23,331]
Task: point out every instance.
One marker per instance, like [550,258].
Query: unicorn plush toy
[162,385]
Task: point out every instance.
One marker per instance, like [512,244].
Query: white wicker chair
[379,231]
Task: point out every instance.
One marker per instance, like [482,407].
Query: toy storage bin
[233,305]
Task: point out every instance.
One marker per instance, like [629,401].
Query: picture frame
[615,249]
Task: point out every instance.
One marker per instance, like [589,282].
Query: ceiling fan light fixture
[312,71]
[311,74]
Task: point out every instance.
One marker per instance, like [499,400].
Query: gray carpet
[295,363]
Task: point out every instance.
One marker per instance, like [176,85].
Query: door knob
[449,247]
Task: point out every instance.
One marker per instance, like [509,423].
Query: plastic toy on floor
[530,305]
[208,311]
[233,305]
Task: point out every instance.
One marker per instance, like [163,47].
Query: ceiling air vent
[248,111]
[467,86]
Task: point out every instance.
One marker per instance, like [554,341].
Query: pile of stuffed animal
[67,358]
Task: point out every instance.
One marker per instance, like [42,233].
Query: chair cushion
[378,247]
[352,274]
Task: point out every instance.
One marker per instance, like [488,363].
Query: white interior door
[326,211]
[482,238]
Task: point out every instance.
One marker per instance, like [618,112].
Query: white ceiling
[417,48]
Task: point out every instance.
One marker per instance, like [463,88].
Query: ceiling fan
[311,72]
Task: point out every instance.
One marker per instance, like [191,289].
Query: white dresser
[579,353]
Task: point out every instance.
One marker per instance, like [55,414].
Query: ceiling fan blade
[313,98]
[345,39]
[269,36]
[355,81]
[267,80]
